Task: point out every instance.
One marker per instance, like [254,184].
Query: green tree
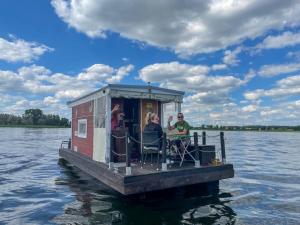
[64,122]
[33,115]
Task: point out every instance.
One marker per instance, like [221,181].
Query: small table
[185,141]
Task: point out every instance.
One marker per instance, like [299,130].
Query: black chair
[151,144]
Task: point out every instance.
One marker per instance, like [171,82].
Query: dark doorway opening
[131,124]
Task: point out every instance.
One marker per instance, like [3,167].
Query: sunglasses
[180,117]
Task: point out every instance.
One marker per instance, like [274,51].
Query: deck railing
[197,149]
[65,144]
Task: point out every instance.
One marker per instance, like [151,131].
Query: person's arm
[115,109]
[169,124]
[184,132]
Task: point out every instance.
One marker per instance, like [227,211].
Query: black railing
[197,149]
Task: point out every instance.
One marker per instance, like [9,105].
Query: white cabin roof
[131,91]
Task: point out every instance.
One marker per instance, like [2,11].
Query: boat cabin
[91,117]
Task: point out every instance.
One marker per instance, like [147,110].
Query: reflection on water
[37,188]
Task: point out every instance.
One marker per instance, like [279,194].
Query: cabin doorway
[135,111]
[130,124]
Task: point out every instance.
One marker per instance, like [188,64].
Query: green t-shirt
[180,126]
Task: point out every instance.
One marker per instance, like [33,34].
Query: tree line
[33,117]
[250,128]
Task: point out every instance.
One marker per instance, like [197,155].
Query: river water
[37,188]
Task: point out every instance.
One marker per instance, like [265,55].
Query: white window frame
[82,135]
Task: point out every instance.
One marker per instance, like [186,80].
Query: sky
[237,61]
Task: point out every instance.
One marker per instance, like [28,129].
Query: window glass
[82,128]
[100,105]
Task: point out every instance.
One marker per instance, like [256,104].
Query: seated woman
[152,124]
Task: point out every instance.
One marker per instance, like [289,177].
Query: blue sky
[238,61]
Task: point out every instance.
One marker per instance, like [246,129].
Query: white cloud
[292,81]
[120,74]
[249,76]
[33,71]
[17,105]
[219,67]
[277,69]
[294,105]
[105,73]
[284,113]
[7,101]
[18,50]
[289,86]
[40,80]
[294,55]
[215,115]
[69,94]
[230,57]
[285,39]
[192,78]
[249,108]
[269,112]
[185,27]
[50,100]
[96,72]
[51,90]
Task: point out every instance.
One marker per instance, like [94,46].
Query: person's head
[151,117]
[155,119]
[180,117]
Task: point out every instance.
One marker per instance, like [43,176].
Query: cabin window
[82,128]
[100,105]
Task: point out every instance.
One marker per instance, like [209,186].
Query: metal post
[164,153]
[222,147]
[69,143]
[111,155]
[197,161]
[128,155]
[203,138]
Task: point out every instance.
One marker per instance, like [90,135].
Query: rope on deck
[118,137]
[139,142]
[118,153]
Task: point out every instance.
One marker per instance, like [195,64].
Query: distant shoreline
[32,126]
[274,130]
[194,128]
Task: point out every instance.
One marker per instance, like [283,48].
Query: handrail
[63,143]
[128,138]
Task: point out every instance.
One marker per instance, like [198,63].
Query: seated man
[182,127]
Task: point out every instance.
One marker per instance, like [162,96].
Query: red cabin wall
[84,111]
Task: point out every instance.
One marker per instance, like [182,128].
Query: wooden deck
[148,178]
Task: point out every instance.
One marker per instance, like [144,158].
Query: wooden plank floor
[147,178]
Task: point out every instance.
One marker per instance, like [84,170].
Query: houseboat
[118,155]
